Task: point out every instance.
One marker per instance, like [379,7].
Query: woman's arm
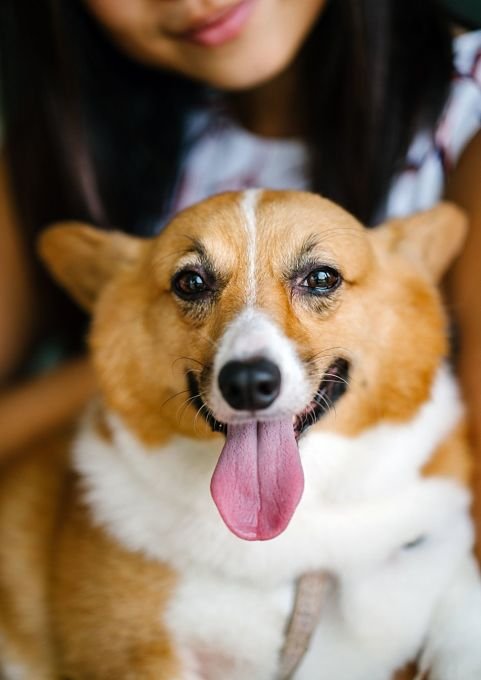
[464,287]
[29,411]
[32,410]
[17,293]
[465,279]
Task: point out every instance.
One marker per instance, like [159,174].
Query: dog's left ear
[84,259]
[432,238]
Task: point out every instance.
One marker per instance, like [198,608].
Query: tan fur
[452,458]
[102,617]
[408,673]
[108,605]
[66,251]
[101,427]
[430,247]
[31,499]
[98,590]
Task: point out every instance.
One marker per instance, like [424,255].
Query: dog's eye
[322,280]
[189,285]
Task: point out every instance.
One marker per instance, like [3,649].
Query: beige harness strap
[310,594]
[311,591]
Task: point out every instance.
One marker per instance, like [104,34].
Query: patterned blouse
[227,157]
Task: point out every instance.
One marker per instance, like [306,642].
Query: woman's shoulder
[461,118]
[467,55]
[434,154]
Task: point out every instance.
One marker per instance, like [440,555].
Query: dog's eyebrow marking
[196,248]
[309,244]
[248,206]
[199,251]
[302,257]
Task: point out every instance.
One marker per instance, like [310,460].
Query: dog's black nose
[250,385]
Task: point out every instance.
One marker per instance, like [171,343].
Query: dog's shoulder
[94,574]
[31,495]
[31,486]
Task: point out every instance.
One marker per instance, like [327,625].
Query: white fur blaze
[254,334]
[248,206]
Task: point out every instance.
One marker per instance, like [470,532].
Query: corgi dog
[275,410]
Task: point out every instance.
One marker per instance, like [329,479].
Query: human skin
[17,317]
[159,33]
[463,287]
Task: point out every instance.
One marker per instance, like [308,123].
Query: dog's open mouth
[258,480]
[331,388]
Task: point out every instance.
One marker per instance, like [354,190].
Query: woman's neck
[273,109]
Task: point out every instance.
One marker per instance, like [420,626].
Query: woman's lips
[222,27]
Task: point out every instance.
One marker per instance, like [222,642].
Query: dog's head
[249,317]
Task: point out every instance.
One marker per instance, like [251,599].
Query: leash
[310,594]
[311,590]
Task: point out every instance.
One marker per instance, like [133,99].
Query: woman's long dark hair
[89,134]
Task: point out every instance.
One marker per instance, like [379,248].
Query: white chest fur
[364,501]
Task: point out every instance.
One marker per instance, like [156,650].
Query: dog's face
[248,317]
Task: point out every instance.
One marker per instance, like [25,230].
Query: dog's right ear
[431,238]
[84,259]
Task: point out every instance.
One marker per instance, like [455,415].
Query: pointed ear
[431,238]
[84,259]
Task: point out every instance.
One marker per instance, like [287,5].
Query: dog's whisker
[184,406]
[177,394]
[336,379]
[199,411]
[327,403]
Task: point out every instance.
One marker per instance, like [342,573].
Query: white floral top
[227,157]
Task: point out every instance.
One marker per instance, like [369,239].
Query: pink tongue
[258,480]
